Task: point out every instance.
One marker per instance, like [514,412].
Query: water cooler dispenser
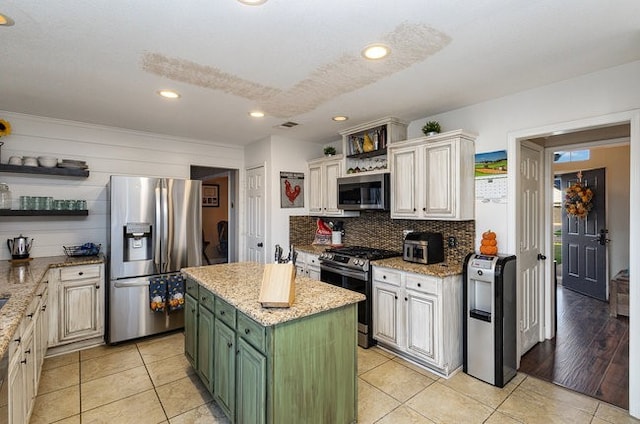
[489,322]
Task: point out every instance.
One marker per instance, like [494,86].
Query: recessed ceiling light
[6,21]
[169,94]
[256,114]
[252,2]
[375,51]
[340,118]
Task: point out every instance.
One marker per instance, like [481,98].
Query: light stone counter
[239,285]
[443,269]
[314,249]
[19,283]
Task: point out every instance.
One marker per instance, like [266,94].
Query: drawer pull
[18,340]
[28,351]
[24,361]
[30,315]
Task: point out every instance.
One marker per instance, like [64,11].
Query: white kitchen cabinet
[433,177]
[323,187]
[24,360]
[77,305]
[419,317]
[308,265]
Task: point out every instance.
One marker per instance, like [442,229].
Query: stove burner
[364,252]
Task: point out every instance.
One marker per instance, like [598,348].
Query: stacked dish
[68,163]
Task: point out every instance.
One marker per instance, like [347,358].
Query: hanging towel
[157,293]
[175,292]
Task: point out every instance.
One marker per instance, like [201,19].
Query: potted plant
[329,151]
[431,128]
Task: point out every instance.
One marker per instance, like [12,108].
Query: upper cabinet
[433,177]
[323,186]
[365,146]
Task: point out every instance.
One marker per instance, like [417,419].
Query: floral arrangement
[577,201]
[5,128]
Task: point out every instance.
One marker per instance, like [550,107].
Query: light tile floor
[150,381]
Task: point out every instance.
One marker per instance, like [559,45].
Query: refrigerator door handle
[165,227]
[157,248]
[125,285]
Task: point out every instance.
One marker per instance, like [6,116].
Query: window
[574,156]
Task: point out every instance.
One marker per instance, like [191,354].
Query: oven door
[351,279]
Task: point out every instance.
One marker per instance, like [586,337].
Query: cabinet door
[29,368]
[332,172]
[404,163]
[43,329]
[191,330]
[80,309]
[315,189]
[17,402]
[251,379]
[386,313]
[422,326]
[224,368]
[205,346]
[440,181]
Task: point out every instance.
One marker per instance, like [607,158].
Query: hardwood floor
[590,353]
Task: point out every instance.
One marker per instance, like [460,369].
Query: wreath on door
[578,199]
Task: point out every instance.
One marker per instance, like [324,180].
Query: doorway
[219,220]
[629,119]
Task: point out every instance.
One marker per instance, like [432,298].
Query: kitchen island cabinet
[276,365]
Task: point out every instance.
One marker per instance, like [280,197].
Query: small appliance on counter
[423,248]
[19,247]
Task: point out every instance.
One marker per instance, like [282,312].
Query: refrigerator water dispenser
[137,242]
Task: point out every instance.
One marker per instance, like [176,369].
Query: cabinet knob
[24,361]
[221,312]
[18,340]
[419,284]
[384,277]
[44,308]
[229,344]
[28,351]
[406,299]
[81,273]
[30,315]
[98,286]
[395,297]
[414,209]
[424,209]
[247,331]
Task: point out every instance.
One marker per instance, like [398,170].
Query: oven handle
[359,275]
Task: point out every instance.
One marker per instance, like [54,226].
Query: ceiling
[298,61]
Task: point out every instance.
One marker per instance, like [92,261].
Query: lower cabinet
[419,317]
[77,304]
[265,374]
[25,359]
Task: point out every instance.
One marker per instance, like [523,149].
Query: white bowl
[48,161]
[30,161]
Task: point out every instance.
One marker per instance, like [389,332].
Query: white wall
[107,151]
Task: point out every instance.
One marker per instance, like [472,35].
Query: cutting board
[278,288]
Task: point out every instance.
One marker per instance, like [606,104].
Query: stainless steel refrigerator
[155,231]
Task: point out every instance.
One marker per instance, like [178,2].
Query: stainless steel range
[350,268]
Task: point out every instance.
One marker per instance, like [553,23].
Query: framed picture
[210,195]
[291,189]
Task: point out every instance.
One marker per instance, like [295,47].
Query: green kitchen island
[272,365]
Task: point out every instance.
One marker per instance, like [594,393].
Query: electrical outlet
[453,242]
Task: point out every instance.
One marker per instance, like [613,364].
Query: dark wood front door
[584,240]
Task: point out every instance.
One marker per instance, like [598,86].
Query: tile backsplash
[378,230]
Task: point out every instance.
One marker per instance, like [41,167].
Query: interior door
[530,222]
[584,241]
[256,211]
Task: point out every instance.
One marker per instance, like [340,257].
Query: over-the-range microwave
[364,191]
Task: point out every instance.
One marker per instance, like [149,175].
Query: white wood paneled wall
[107,151]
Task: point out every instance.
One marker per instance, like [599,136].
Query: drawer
[385,275]
[225,313]
[192,288]
[206,298]
[81,272]
[422,283]
[252,332]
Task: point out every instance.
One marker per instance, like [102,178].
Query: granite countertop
[239,285]
[20,281]
[442,269]
[314,249]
